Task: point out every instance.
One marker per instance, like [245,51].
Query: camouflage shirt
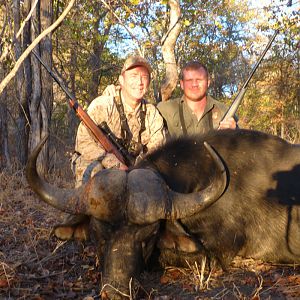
[213,113]
[102,109]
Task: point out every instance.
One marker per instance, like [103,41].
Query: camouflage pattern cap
[134,61]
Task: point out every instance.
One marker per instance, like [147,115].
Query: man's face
[134,83]
[194,84]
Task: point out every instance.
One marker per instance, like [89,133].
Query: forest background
[88,48]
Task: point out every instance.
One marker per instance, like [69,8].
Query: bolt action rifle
[237,101]
[107,140]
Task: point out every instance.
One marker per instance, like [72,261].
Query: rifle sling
[181,118]
[182,122]
[126,134]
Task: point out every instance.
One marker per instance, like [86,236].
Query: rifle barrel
[261,57]
[53,75]
[238,99]
[98,134]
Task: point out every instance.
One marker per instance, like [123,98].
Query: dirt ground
[35,265]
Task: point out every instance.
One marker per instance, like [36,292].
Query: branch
[13,72]
[27,18]
[3,47]
[3,28]
[122,23]
[8,49]
[168,50]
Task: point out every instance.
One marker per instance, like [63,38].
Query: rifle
[98,133]
[237,101]
[130,160]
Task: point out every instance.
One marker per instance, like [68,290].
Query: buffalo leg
[125,258]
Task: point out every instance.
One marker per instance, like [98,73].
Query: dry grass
[34,265]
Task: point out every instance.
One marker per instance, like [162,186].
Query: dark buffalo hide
[179,189]
[258,214]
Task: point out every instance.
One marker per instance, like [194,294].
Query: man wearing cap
[128,116]
[131,119]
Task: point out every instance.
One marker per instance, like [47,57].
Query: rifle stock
[237,101]
[97,133]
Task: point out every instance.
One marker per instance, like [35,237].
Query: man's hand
[229,123]
[111,90]
[123,167]
[111,161]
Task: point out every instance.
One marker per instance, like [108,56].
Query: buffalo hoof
[64,233]
[73,227]
[80,232]
[178,242]
[171,257]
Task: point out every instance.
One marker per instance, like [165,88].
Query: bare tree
[22,81]
[168,51]
[5,161]
[98,47]
[41,99]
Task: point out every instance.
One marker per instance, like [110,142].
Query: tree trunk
[95,65]
[22,81]
[46,19]
[168,51]
[35,103]
[73,121]
[5,161]
[42,94]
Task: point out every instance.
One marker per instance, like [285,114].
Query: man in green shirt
[195,112]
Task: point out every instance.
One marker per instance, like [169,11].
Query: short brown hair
[193,65]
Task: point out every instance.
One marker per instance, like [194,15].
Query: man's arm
[99,110]
[157,129]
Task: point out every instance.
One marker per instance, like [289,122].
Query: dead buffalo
[232,192]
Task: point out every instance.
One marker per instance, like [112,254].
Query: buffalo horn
[185,205]
[150,199]
[63,199]
[100,197]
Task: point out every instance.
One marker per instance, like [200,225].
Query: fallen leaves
[4,283]
[33,266]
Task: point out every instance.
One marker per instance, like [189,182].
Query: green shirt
[213,113]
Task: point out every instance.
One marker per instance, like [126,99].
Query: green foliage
[80,48]
[225,35]
[134,2]
[216,36]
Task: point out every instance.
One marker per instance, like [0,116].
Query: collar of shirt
[129,110]
[209,105]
